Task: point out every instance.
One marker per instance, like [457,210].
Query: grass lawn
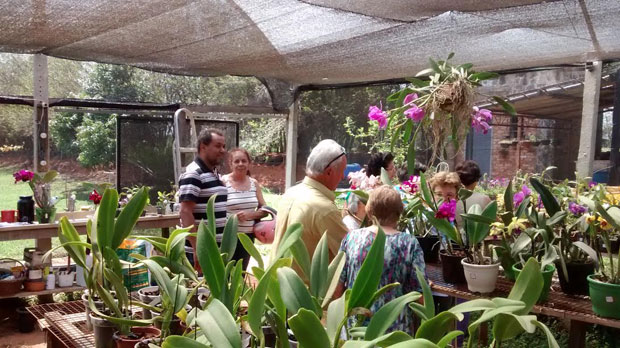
[10,192]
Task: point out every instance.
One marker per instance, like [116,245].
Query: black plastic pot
[451,268]
[578,272]
[430,247]
[25,321]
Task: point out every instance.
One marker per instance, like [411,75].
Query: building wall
[524,155]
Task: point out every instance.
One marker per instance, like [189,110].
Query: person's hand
[244,215]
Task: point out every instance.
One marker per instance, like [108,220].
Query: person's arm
[340,288]
[259,214]
[188,196]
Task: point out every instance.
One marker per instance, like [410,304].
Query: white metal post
[291,143]
[40,126]
[589,119]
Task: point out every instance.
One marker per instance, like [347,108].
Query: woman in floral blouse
[401,257]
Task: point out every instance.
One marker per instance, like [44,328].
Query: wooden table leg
[165,232]
[577,334]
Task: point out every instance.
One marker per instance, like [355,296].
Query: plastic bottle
[51,281]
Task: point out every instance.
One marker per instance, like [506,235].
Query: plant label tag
[609,299]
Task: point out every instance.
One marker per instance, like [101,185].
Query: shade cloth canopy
[312,42]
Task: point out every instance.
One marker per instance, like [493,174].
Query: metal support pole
[40,133]
[614,172]
[587,138]
[291,143]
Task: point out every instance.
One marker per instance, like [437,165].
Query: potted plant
[413,220]
[480,271]
[605,285]
[45,210]
[164,199]
[537,240]
[102,274]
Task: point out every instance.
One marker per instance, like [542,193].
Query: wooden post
[614,172]
[291,144]
[589,117]
[40,134]
[577,334]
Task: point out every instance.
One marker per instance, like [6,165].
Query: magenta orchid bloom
[376,114]
[411,186]
[23,175]
[409,98]
[447,210]
[415,113]
[518,197]
[480,119]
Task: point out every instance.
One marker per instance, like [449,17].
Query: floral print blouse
[402,255]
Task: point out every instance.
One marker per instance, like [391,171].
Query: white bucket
[65,280]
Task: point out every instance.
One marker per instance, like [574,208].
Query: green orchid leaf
[387,314]
[549,202]
[180,341]
[320,264]
[219,326]
[308,329]
[294,292]
[106,212]
[335,315]
[369,275]
[128,216]
[333,276]
[435,328]
[210,260]
[229,238]
[291,236]
[509,108]
[249,246]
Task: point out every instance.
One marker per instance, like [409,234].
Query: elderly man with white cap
[311,202]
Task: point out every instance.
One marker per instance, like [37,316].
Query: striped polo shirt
[198,184]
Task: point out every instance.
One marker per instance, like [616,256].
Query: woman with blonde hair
[445,185]
[401,257]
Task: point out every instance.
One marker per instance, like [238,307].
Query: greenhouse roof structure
[313,42]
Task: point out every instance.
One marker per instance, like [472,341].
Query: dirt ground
[9,333]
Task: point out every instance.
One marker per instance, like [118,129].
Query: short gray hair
[321,156]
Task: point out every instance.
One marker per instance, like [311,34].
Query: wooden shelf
[45,292]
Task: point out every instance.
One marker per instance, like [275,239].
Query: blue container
[353,167]
[601,176]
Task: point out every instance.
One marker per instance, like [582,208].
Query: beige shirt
[311,204]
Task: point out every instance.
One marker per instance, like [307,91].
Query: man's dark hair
[468,172]
[206,135]
[403,171]
[377,161]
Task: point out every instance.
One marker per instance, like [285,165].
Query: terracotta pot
[141,333]
[452,268]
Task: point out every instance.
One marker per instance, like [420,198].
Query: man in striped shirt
[201,181]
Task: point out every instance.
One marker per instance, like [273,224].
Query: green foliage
[96,141]
[63,127]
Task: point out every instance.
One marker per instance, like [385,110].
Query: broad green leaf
[301,257]
[426,192]
[480,304]
[229,238]
[551,342]
[211,215]
[118,319]
[588,250]
[612,214]
[480,76]
[256,306]
[117,283]
[385,177]
[548,200]
[556,218]
[294,292]
[444,226]
[434,65]
[387,314]
[527,289]
[291,236]
[320,264]
[508,204]
[436,327]
[449,337]
[106,212]
[210,260]
[335,315]
[218,325]
[333,276]
[382,291]
[481,230]
[308,329]
[369,275]
[128,216]
[509,108]
[249,246]
[49,176]
[180,341]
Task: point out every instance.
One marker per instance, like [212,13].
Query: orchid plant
[40,186]
[438,102]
